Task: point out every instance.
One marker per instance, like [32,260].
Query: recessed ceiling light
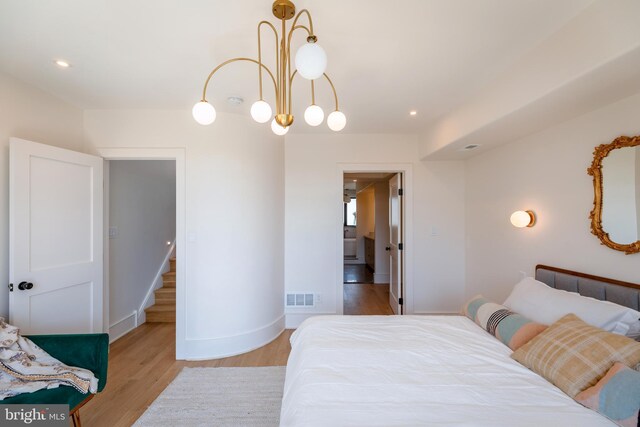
[355,180]
[413,113]
[62,63]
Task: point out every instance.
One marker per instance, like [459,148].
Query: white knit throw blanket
[25,367]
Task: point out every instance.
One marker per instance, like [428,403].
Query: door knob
[388,248]
[25,285]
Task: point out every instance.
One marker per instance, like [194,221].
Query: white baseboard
[381,278]
[123,326]
[217,348]
[353,261]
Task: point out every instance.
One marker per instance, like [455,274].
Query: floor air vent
[300,300]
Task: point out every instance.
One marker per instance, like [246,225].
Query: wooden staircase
[164,310]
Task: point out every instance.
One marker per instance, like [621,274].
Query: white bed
[416,370]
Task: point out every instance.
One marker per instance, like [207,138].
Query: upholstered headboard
[623,293]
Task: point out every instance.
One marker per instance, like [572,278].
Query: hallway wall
[142,208]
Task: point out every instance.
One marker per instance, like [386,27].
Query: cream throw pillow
[574,356]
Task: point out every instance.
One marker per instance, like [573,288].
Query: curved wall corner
[231,296]
[215,348]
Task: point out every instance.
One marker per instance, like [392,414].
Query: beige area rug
[219,397]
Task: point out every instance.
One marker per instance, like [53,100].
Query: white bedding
[413,371]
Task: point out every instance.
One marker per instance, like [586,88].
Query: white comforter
[416,371]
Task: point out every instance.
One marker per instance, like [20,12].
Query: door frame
[406,169]
[179,156]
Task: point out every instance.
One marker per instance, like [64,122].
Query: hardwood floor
[368,299]
[357,273]
[142,364]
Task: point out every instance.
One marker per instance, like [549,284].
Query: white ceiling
[385,58]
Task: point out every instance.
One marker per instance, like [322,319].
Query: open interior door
[395,244]
[56,255]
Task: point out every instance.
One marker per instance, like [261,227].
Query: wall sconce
[521,219]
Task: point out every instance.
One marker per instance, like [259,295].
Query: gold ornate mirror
[615,218]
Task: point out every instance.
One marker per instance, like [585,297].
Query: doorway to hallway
[366,228]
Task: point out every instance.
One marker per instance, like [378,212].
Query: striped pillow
[616,396]
[574,356]
[511,328]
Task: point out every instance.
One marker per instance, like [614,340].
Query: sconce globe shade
[313,115]
[204,113]
[311,61]
[521,219]
[336,121]
[277,129]
[261,111]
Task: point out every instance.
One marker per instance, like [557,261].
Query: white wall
[142,206]
[234,221]
[619,217]
[28,113]
[381,275]
[546,173]
[365,223]
[313,191]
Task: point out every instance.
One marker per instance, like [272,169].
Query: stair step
[172,264]
[169,279]
[161,313]
[165,296]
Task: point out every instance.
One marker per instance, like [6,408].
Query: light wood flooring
[142,363]
[368,299]
[357,273]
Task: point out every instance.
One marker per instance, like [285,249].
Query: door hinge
[10,287]
[400,246]
[400,192]
[400,301]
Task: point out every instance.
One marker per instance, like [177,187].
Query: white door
[395,237]
[55,252]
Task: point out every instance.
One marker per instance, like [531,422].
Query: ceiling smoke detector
[235,100]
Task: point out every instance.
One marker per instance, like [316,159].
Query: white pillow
[544,304]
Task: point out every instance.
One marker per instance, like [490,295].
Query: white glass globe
[261,111]
[204,113]
[277,129]
[336,121]
[311,61]
[313,115]
[522,219]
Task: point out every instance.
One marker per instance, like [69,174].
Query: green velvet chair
[89,351]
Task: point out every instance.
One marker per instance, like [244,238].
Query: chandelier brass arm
[313,97]
[229,61]
[295,21]
[275,33]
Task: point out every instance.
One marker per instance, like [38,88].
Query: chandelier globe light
[277,129]
[310,62]
[204,113]
[337,121]
[261,111]
[313,115]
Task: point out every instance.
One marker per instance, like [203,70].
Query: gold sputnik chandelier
[310,63]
